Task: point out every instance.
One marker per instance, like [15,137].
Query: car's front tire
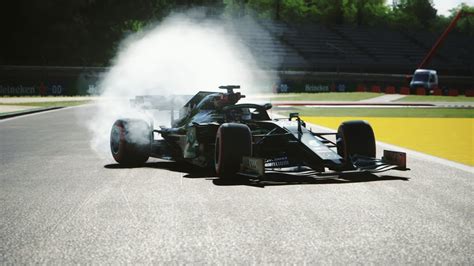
[355,137]
[233,141]
[130,141]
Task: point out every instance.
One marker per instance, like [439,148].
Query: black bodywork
[277,144]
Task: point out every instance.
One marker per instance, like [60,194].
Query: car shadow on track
[168,165]
[292,179]
[270,179]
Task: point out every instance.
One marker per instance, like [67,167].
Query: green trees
[287,10]
[465,25]
[84,32]
[366,12]
[414,14]
[361,12]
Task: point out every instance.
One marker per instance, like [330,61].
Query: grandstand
[348,48]
[338,56]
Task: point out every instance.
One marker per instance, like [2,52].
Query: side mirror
[267,106]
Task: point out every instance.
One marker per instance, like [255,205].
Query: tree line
[87,32]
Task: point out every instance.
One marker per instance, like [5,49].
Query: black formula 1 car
[214,131]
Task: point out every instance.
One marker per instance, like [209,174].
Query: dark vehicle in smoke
[214,131]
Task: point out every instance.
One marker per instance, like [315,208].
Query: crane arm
[443,36]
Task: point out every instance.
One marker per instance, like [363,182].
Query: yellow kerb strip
[449,138]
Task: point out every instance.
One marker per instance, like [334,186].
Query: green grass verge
[432,98]
[384,112]
[50,104]
[327,96]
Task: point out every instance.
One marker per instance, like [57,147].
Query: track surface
[60,202]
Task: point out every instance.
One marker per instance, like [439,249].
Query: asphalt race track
[60,202]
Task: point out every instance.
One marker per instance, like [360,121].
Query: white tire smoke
[180,56]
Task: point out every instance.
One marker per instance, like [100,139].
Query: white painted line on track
[41,112]
[416,154]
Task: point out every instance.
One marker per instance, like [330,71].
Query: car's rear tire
[130,141]
[233,141]
[355,137]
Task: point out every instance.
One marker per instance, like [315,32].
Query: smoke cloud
[181,56]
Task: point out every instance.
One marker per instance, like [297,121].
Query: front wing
[392,160]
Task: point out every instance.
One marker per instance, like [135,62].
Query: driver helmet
[221,101]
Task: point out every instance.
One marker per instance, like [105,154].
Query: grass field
[326,96]
[449,138]
[385,112]
[431,98]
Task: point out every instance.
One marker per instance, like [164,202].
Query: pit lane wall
[69,81]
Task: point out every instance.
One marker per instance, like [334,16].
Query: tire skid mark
[73,211]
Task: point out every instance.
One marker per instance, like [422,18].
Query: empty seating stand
[456,52]
[266,47]
[350,48]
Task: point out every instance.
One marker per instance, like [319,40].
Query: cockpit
[246,112]
[213,106]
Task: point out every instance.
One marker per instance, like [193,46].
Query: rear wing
[172,103]
[159,102]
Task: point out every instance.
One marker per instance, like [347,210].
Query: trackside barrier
[361,88]
[453,92]
[58,80]
[405,90]
[437,91]
[420,91]
[390,90]
[375,88]
[469,93]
